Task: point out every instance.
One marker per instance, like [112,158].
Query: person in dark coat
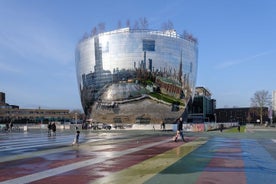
[49,128]
[221,127]
[163,126]
[54,128]
[179,130]
[239,128]
[77,136]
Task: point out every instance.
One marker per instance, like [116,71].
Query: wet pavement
[130,156]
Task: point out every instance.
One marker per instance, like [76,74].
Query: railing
[168,33]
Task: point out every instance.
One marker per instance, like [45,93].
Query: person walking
[221,127]
[77,136]
[10,126]
[7,127]
[239,127]
[179,131]
[163,126]
[49,129]
[54,128]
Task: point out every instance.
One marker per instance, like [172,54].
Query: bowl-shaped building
[142,76]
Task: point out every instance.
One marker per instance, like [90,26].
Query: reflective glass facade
[130,75]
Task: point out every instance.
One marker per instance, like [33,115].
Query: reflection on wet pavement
[140,157]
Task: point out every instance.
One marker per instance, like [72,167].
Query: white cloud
[231,63]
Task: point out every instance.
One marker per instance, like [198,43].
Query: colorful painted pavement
[138,157]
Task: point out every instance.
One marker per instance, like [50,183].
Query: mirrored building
[130,76]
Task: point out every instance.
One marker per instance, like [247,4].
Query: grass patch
[235,130]
[166,98]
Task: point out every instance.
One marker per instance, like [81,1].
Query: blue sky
[237,45]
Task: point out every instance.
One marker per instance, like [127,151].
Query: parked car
[106,127]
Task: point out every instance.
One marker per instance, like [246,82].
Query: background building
[14,113]
[202,108]
[242,115]
[128,74]
[2,98]
[4,105]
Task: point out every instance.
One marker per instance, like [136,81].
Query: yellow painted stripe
[143,171]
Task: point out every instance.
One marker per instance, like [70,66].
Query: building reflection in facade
[130,75]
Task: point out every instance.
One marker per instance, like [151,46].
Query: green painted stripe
[143,171]
[188,168]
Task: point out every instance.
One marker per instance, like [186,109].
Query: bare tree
[94,31]
[189,36]
[167,25]
[136,25]
[85,35]
[144,23]
[73,111]
[185,34]
[101,27]
[170,24]
[128,23]
[76,113]
[119,25]
[248,118]
[260,100]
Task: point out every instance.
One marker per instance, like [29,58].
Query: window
[148,45]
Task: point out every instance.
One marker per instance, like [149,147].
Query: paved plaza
[132,156]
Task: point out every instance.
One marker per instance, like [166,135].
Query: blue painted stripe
[260,166]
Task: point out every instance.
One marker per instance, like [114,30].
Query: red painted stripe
[17,168]
[226,167]
[93,172]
